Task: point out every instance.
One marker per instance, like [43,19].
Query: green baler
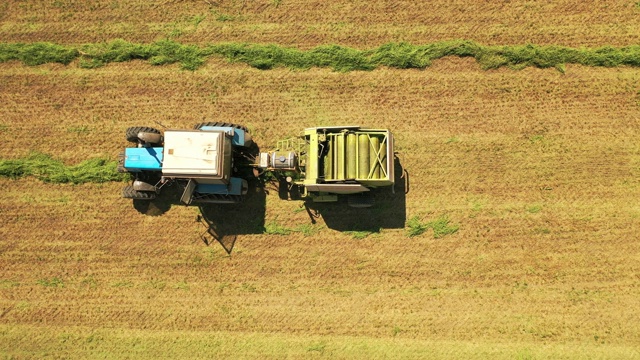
[339,160]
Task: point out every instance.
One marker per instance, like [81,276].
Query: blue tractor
[211,163]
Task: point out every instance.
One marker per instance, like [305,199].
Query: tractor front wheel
[132,132]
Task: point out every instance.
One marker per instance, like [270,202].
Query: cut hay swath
[339,58]
[45,168]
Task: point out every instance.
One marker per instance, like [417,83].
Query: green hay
[37,53]
[159,53]
[266,57]
[43,167]
[339,58]
[274,228]
[441,227]
[405,55]
[262,57]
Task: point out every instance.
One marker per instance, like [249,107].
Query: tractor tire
[221,124]
[360,201]
[132,132]
[130,193]
[198,198]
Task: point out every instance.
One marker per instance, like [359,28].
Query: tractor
[213,162]
[205,162]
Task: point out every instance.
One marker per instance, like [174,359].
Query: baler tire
[128,192]
[132,133]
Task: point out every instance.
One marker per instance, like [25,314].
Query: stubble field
[538,170]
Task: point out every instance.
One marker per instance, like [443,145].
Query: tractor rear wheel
[220,124]
[132,132]
[130,193]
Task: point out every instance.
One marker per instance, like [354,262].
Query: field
[525,181]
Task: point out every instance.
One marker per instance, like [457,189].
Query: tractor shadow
[169,196]
[388,212]
[224,222]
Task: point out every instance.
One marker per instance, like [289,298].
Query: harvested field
[538,170]
[306,24]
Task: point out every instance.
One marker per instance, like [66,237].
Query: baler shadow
[388,212]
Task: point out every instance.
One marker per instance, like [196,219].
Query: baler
[340,160]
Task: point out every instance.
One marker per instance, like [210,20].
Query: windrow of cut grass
[47,169]
[339,58]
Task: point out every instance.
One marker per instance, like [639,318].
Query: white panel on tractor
[196,153]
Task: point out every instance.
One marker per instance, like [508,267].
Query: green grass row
[47,169]
[441,227]
[338,58]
